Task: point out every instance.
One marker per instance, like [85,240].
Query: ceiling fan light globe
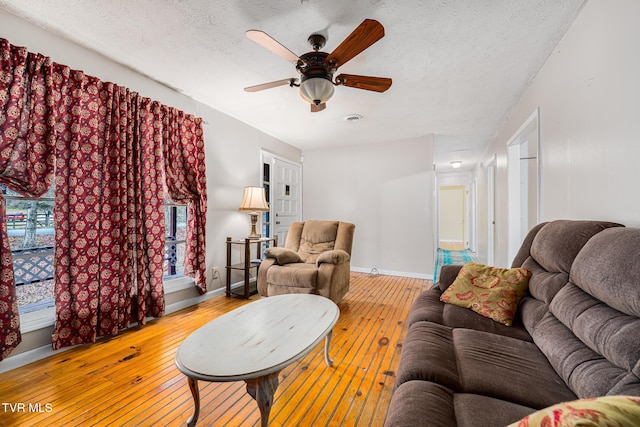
[316,90]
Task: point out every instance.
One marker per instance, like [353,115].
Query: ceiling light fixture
[456,164]
[316,89]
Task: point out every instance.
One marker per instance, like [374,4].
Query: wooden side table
[247,265]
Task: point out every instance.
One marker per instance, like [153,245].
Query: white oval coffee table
[254,343]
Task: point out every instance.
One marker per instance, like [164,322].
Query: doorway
[491,210]
[282,180]
[523,182]
[452,207]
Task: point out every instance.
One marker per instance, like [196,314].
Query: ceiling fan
[317,68]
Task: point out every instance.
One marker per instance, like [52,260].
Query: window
[175,218]
[266,178]
[30,231]
[31,238]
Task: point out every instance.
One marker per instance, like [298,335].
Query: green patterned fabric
[489,291]
[608,411]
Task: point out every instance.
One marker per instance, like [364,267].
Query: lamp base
[254,235]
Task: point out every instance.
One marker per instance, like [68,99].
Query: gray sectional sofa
[576,334]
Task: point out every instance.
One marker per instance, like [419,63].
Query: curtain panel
[27,141]
[109,209]
[110,148]
[185,181]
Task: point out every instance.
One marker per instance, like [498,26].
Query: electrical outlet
[216,273]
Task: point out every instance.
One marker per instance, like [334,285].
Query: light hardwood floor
[131,380]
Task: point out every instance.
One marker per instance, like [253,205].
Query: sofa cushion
[428,307]
[474,410]
[603,329]
[317,237]
[295,275]
[507,368]
[282,255]
[489,291]
[424,403]
[608,411]
[617,284]
[553,250]
[421,403]
[584,370]
[543,284]
[426,341]
[591,334]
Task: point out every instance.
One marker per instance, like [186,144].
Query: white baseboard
[393,273]
[27,357]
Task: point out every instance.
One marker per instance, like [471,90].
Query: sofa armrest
[336,256]
[282,255]
[448,274]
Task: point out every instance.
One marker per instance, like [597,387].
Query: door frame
[515,192]
[269,157]
[491,210]
[446,179]
[464,188]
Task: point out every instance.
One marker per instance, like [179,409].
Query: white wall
[588,92]
[232,148]
[386,190]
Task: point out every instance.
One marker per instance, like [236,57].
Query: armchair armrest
[448,274]
[282,255]
[336,256]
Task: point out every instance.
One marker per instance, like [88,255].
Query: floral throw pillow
[489,291]
[608,411]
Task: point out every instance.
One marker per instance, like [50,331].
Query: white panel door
[287,201]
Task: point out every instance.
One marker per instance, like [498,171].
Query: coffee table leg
[195,392]
[263,389]
[327,342]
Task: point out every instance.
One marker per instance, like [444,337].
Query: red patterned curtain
[26,158]
[109,145]
[109,212]
[149,230]
[185,181]
[112,205]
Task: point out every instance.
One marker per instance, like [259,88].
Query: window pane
[31,238]
[176,232]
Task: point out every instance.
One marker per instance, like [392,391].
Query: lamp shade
[316,89]
[456,164]
[254,200]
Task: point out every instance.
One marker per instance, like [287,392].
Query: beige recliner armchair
[315,259]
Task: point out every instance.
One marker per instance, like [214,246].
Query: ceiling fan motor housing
[313,64]
[316,81]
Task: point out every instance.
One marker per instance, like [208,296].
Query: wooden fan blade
[367,33]
[376,84]
[268,42]
[269,85]
[315,108]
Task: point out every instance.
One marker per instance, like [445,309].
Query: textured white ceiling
[457,65]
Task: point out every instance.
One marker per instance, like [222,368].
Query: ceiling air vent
[354,118]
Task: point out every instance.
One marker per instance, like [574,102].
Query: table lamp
[254,201]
